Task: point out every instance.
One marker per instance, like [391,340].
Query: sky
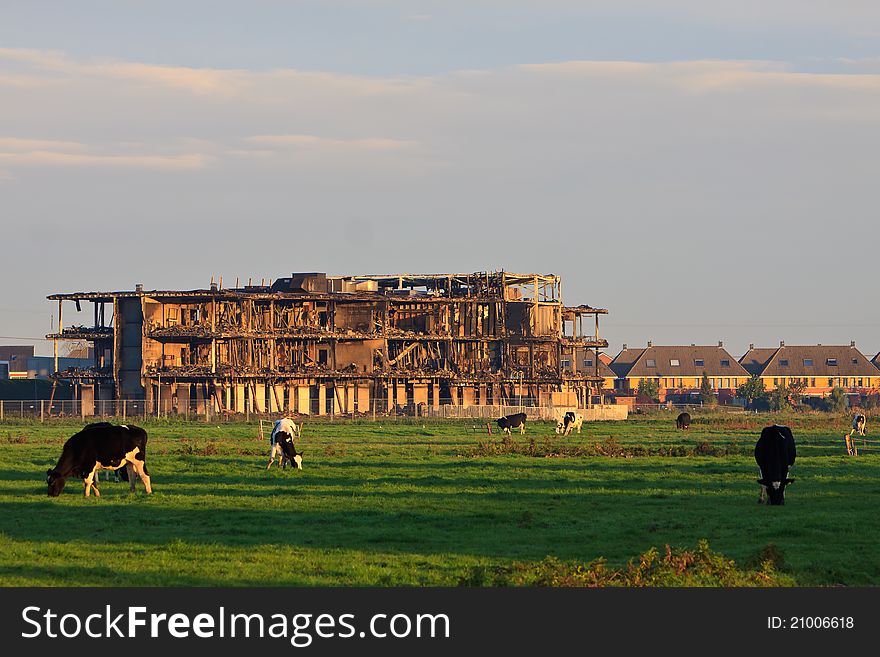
[704,170]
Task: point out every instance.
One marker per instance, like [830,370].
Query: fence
[604,412]
[199,410]
[857,444]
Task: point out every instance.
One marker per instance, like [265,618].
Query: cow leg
[762,494]
[272,453]
[129,470]
[522,428]
[142,473]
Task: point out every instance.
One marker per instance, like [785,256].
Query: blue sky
[704,170]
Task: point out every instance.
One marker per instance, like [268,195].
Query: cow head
[289,450]
[775,490]
[55,481]
[560,426]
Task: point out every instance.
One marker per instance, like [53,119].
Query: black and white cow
[775,453]
[858,424]
[509,422]
[683,421]
[101,446]
[568,422]
[281,444]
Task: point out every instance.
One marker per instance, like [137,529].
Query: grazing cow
[509,422]
[101,446]
[683,421]
[568,422]
[281,444]
[775,453]
[858,424]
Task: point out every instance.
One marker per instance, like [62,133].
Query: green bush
[674,568]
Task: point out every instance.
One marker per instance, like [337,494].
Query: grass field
[412,503]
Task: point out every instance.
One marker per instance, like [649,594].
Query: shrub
[697,567]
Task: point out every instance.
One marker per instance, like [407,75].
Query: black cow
[683,421]
[775,453]
[509,422]
[101,446]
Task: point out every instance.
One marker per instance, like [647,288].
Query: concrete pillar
[239,398]
[420,394]
[322,399]
[467,395]
[258,403]
[199,405]
[302,400]
[183,398]
[363,398]
[87,399]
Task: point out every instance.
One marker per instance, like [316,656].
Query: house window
[860,382]
[830,382]
[726,383]
[855,361]
[783,362]
[674,362]
[698,362]
[812,383]
[846,383]
[831,361]
[775,382]
[566,364]
[651,363]
[588,363]
[808,362]
[725,363]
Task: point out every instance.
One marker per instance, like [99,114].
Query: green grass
[408,503]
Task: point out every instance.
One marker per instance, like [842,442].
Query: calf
[568,422]
[683,421]
[509,422]
[774,453]
[101,446]
[281,444]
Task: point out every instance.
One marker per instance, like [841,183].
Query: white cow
[568,422]
[281,443]
[858,424]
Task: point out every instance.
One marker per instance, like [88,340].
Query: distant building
[820,367]
[13,361]
[317,344]
[580,360]
[679,371]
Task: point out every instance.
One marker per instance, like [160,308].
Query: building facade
[678,371]
[820,368]
[314,344]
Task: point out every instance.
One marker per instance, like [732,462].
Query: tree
[707,395]
[649,388]
[837,401]
[796,388]
[778,398]
[752,391]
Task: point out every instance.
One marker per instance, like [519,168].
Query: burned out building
[316,344]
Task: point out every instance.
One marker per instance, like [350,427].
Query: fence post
[41,410]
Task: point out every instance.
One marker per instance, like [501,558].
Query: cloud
[16,144]
[365,143]
[61,159]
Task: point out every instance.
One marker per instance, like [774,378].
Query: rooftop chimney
[624,346]
[720,343]
[852,343]
[782,343]
[751,346]
[139,287]
[649,344]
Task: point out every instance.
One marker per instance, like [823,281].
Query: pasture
[408,502]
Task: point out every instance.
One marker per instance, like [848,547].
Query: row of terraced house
[679,370]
